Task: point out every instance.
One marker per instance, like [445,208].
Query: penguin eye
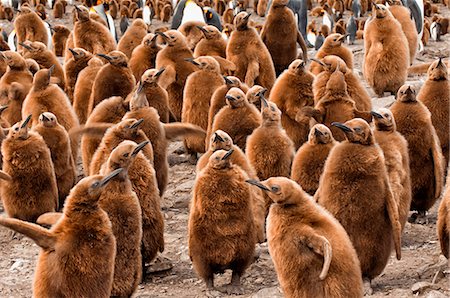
[275,188]
[239,97]
[357,129]
[16,129]
[126,155]
[95,184]
[335,39]
[386,115]
[226,139]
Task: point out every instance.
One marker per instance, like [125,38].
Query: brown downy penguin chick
[83,88]
[250,55]
[221,202]
[29,26]
[132,37]
[123,208]
[40,11]
[435,95]
[57,140]
[395,150]
[191,31]
[355,88]
[212,44]
[79,249]
[311,251]
[333,45]
[109,111]
[16,95]
[336,105]
[173,59]
[386,52]
[426,161]
[143,56]
[293,91]
[17,73]
[143,181]
[443,221]
[72,68]
[113,79]
[157,97]
[32,65]
[29,189]
[59,39]
[403,16]
[255,95]
[373,234]
[238,118]
[309,160]
[269,149]
[127,129]
[91,35]
[58,10]
[281,35]
[200,86]
[45,58]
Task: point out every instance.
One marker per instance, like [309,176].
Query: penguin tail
[175,130]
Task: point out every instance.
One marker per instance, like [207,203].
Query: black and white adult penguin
[418,14]
[102,9]
[351,27]
[185,11]
[212,17]
[356,8]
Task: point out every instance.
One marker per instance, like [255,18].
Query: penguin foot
[367,287]
[232,289]
[160,264]
[180,150]
[419,217]
[193,159]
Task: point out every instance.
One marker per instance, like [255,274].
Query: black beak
[342,126]
[2,108]
[409,91]
[137,123]
[258,184]
[229,97]
[77,8]
[139,148]
[318,61]
[262,92]
[140,87]
[440,63]
[317,132]
[202,29]
[264,101]
[192,61]
[343,37]
[247,17]
[109,58]
[109,177]
[218,138]
[160,72]
[74,53]
[50,70]
[227,80]
[376,115]
[26,46]
[25,122]
[162,35]
[228,154]
[44,118]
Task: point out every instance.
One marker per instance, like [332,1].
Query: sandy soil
[421,260]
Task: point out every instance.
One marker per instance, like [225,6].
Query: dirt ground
[422,271]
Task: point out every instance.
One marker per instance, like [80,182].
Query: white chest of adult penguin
[185,11]
[102,9]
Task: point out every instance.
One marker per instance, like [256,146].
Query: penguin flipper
[302,43]
[168,76]
[252,73]
[43,237]
[392,210]
[320,245]
[438,165]
[49,218]
[443,228]
[226,66]
[175,130]
[4,176]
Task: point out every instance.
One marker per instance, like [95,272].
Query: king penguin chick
[395,150]
[79,249]
[143,56]
[57,140]
[113,79]
[309,160]
[200,86]
[173,59]
[435,95]
[250,55]
[16,96]
[443,221]
[132,37]
[91,35]
[386,52]
[426,161]
[29,189]
[372,236]
[157,97]
[17,73]
[238,118]
[221,202]
[73,66]
[293,91]
[212,44]
[311,251]
[59,39]
[123,208]
[281,35]
[29,26]
[269,149]
[333,45]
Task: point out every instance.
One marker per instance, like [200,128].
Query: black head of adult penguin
[210,32]
[438,71]
[384,120]
[116,58]
[19,131]
[235,98]
[220,159]
[356,131]
[241,21]
[173,38]
[82,13]
[406,94]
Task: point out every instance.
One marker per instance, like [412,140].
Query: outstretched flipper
[49,218]
[43,237]
[320,245]
[175,130]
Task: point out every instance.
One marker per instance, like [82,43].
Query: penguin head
[139,23]
[116,58]
[220,159]
[320,134]
[95,62]
[19,131]
[60,29]
[173,38]
[48,119]
[235,98]
[220,140]
[438,71]
[384,120]
[280,3]
[255,95]
[138,98]
[241,20]
[128,128]
[356,131]
[151,76]
[334,40]
[270,113]
[13,59]
[406,93]
[227,29]
[32,66]
[394,2]
[297,66]
[82,13]
[210,32]
[331,62]
[281,190]
[150,40]
[24,9]
[381,11]
[124,154]
[207,63]
[80,54]
[232,81]
[34,47]
[43,78]
[336,82]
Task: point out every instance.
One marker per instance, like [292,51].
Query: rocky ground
[422,271]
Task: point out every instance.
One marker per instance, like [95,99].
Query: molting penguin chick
[250,55]
[311,251]
[80,248]
[426,161]
[309,160]
[221,202]
[333,45]
[143,56]
[57,140]
[293,91]
[29,189]
[395,150]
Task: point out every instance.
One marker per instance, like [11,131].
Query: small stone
[273,292]
[420,287]
[435,294]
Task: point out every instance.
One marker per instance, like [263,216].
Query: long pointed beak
[229,97]
[318,61]
[218,138]
[26,46]
[74,53]
[160,72]
[111,176]
[192,61]
[162,35]
[317,132]
[227,80]
[342,126]
[139,148]
[2,108]
[342,38]
[409,90]
[44,118]
[376,115]
[257,184]
[228,154]
[50,70]
[25,122]
[440,63]
[137,123]
[140,87]
[247,17]
[264,101]
[109,58]
[77,8]
[202,29]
